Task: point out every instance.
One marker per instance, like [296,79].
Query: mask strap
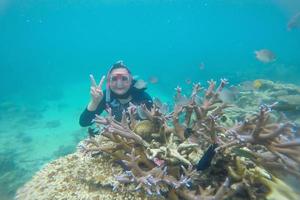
[107,98]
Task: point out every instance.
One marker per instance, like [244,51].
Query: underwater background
[48,48]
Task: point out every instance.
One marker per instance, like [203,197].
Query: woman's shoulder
[141,94]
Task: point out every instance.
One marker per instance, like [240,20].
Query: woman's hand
[96,93]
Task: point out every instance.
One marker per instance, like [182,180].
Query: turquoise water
[48,48]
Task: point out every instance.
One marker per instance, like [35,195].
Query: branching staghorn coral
[158,153]
[204,194]
[275,144]
[205,112]
[172,152]
[154,149]
[153,181]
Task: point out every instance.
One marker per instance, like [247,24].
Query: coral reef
[268,92]
[155,158]
[75,177]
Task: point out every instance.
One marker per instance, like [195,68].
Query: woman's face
[120,81]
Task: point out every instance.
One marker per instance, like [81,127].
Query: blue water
[48,46]
[45,42]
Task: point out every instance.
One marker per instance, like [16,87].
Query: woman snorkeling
[121,90]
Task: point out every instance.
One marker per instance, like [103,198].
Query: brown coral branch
[288,151]
[215,96]
[210,89]
[205,194]
[260,123]
[128,134]
[114,127]
[178,92]
[277,132]
[179,129]
[188,114]
[125,121]
[222,190]
[293,143]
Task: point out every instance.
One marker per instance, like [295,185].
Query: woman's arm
[87,115]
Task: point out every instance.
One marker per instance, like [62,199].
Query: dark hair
[119,64]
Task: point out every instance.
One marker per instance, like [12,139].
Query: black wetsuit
[138,97]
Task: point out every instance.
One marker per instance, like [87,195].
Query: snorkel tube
[107,97]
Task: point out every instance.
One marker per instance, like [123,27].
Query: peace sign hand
[96,90]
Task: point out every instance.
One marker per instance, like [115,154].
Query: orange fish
[153,79]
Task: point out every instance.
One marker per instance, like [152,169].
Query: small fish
[265,55]
[229,95]
[140,84]
[294,22]
[188,81]
[243,152]
[153,79]
[257,84]
[201,66]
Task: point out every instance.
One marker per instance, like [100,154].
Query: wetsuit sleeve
[206,159]
[87,116]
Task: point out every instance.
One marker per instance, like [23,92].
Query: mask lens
[114,78]
[122,77]
[125,78]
